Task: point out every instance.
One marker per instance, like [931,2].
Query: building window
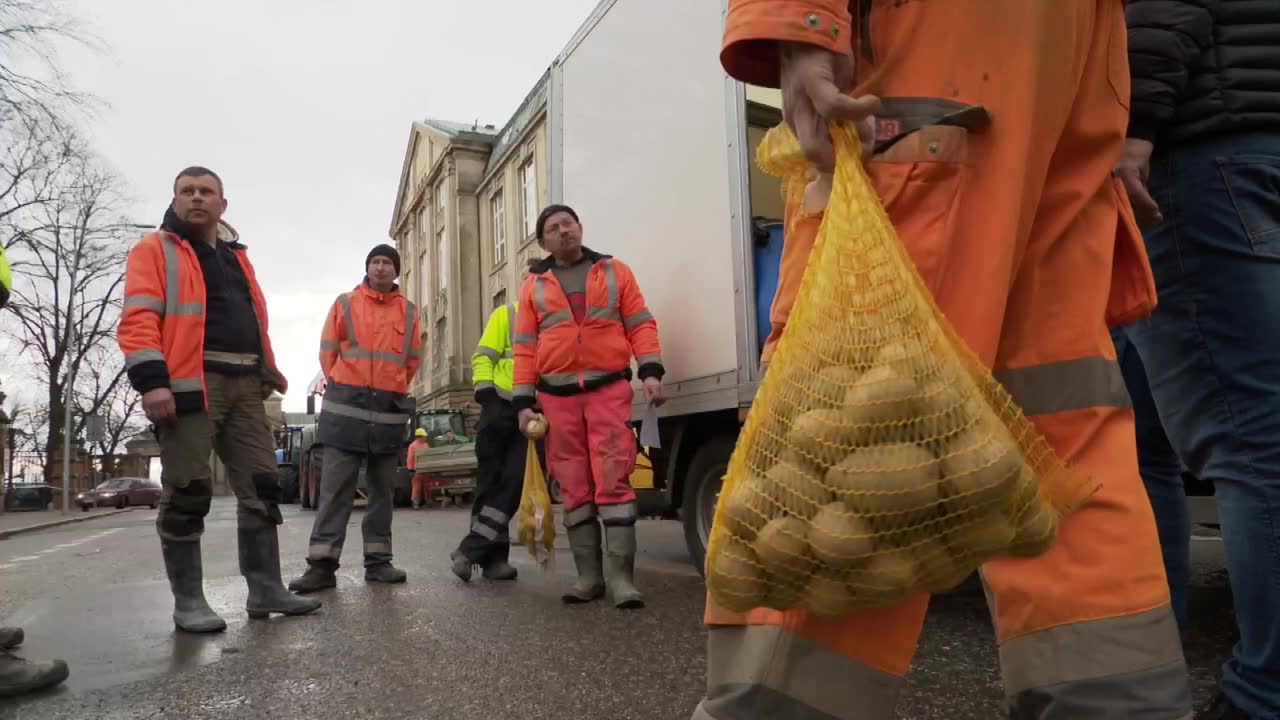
[442,259]
[499,298]
[440,203]
[529,196]
[424,229]
[424,272]
[439,350]
[498,214]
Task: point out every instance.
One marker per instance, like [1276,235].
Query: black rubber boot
[500,570]
[620,566]
[191,612]
[461,566]
[260,565]
[584,541]
[384,573]
[21,677]
[319,576]
[10,637]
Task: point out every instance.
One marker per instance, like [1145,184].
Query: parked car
[121,493]
[36,496]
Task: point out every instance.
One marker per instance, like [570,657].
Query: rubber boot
[461,566]
[584,541]
[319,576]
[500,570]
[260,566]
[620,566]
[191,612]
[20,677]
[11,637]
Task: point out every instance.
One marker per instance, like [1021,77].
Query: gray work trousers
[338,477]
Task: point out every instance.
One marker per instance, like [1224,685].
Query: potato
[786,593]
[817,193]
[1026,490]
[824,434]
[747,508]
[795,489]
[832,384]
[909,357]
[943,409]
[937,570]
[983,536]
[1037,530]
[736,577]
[896,485]
[782,547]
[838,539]
[980,468]
[881,396]
[886,578]
[827,595]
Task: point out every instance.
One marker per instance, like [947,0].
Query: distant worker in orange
[997,125]
[582,319]
[411,461]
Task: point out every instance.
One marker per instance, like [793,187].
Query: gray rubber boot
[21,677]
[584,541]
[461,566]
[620,566]
[191,612]
[500,570]
[260,566]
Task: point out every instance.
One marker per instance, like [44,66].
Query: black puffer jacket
[1203,67]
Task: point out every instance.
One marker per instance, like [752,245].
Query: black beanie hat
[386,251]
[548,212]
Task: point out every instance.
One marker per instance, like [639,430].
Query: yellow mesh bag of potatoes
[535,521]
[880,457]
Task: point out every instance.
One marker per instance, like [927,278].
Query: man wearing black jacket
[1202,168]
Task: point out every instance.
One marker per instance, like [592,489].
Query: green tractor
[449,461]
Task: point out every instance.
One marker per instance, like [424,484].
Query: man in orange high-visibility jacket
[998,125]
[419,493]
[195,343]
[582,318]
[370,349]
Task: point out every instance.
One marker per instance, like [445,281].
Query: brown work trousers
[235,426]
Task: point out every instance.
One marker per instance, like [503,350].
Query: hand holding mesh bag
[535,520]
[880,457]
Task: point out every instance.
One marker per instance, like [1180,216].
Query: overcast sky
[304,109]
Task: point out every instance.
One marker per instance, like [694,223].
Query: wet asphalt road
[95,594]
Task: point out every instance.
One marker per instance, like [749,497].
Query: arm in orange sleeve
[639,324]
[753,28]
[525,350]
[331,339]
[414,361]
[139,335]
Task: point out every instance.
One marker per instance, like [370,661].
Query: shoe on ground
[10,637]
[384,573]
[461,566]
[316,578]
[501,570]
[21,677]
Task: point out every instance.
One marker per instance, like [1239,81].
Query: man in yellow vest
[500,453]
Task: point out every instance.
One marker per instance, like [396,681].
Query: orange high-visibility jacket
[370,350]
[161,329]
[556,355]
[411,458]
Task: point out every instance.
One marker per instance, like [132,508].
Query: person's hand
[159,406]
[653,391]
[522,419]
[814,81]
[1133,169]
[267,389]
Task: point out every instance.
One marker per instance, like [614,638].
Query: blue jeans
[1212,354]
[1162,475]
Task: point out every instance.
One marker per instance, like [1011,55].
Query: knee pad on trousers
[183,515]
[267,487]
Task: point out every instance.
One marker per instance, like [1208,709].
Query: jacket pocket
[1253,182]
[918,179]
[1133,287]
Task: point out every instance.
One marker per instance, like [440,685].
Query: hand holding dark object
[1133,169]
[653,391]
[523,418]
[814,83]
[159,406]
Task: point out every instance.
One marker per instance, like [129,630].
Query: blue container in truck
[767,258]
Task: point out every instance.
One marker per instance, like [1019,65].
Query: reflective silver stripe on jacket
[173,282]
[523,391]
[189,384]
[610,310]
[227,358]
[137,357]
[1067,385]
[354,351]
[489,385]
[380,418]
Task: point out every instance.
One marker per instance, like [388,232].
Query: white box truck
[653,145]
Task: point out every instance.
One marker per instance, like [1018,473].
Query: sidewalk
[16,523]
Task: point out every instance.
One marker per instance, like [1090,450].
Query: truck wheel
[700,493]
[288,476]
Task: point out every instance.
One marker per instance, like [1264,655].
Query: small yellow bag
[880,457]
[535,520]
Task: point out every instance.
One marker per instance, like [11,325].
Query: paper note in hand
[649,429]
